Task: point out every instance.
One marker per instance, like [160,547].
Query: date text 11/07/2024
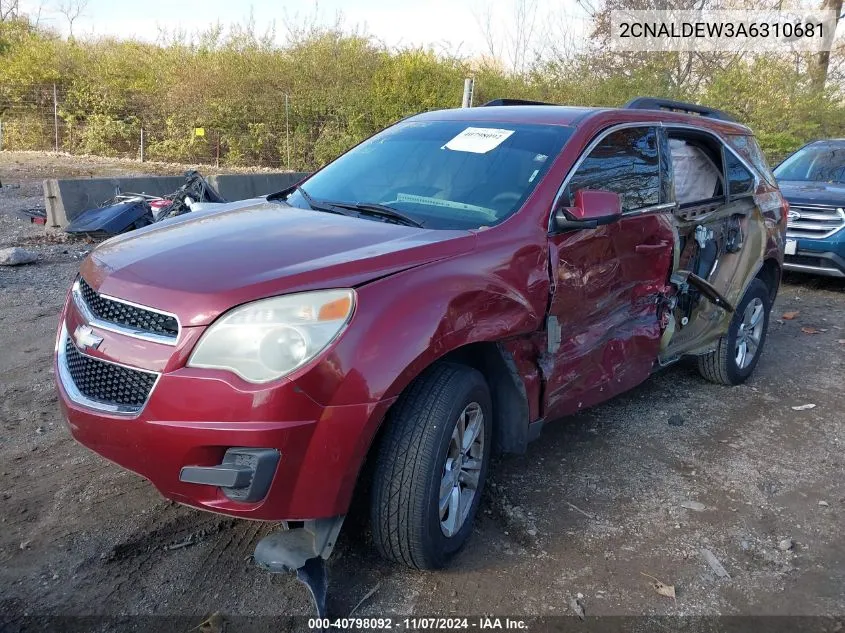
[419,623]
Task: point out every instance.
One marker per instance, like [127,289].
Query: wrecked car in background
[130,211]
[439,292]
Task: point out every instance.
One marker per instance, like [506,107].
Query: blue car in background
[813,182]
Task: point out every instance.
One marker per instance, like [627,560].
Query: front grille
[106,382]
[814,221]
[127,315]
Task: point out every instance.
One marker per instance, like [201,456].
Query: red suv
[437,293]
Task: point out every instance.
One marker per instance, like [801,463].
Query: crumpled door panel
[724,247]
[608,288]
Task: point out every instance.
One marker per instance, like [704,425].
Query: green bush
[327,90]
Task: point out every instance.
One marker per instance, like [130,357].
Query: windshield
[442,174]
[820,163]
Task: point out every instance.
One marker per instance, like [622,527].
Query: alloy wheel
[461,472]
[749,333]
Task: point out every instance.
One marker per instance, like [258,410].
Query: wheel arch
[511,411]
[770,274]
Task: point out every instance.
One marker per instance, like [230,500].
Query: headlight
[268,339]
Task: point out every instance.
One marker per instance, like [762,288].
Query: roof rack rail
[652,103]
[514,102]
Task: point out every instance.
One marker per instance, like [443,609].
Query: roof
[575,116]
[544,114]
[833,141]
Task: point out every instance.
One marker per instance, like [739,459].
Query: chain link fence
[303,137]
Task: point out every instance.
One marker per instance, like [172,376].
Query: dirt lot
[594,505]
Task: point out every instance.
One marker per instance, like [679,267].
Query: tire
[724,365]
[411,462]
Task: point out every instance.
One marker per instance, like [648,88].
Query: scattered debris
[693,505]
[129,211]
[676,420]
[660,587]
[39,430]
[577,509]
[366,597]
[15,256]
[810,330]
[788,316]
[785,545]
[804,407]
[714,563]
[24,544]
[35,215]
[824,504]
[215,623]
[187,542]
[577,607]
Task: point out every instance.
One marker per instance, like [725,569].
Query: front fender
[405,322]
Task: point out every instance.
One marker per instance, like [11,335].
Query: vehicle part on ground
[738,351]
[195,191]
[302,548]
[121,214]
[130,211]
[431,464]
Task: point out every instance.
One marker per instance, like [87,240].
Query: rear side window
[750,150]
[624,162]
[740,180]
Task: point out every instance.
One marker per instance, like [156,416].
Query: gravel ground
[575,524]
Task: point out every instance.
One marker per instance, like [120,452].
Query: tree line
[302,103]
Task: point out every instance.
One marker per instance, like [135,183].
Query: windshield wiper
[319,205]
[379,210]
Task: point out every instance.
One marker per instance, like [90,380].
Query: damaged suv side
[437,293]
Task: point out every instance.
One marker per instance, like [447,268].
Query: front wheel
[738,351]
[431,463]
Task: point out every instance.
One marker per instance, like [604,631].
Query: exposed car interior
[697,177]
[710,229]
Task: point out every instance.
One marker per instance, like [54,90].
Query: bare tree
[516,41]
[484,19]
[522,33]
[820,63]
[9,10]
[72,10]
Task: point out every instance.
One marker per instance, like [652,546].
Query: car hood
[803,192]
[199,265]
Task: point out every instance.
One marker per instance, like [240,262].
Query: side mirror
[593,207]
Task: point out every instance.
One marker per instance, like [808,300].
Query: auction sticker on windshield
[478,140]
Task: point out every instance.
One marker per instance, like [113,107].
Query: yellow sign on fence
[199,131]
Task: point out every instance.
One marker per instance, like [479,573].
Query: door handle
[648,248]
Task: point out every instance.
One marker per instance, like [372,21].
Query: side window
[625,162]
[750,150]
[740,180]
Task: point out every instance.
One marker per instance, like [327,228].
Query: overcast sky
[445,24]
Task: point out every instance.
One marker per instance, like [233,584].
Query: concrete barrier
[242,186]
[66,199]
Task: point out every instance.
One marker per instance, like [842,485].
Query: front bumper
[193,416]
[316,470]
[819,257]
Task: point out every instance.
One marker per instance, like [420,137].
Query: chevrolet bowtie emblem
[85,338]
